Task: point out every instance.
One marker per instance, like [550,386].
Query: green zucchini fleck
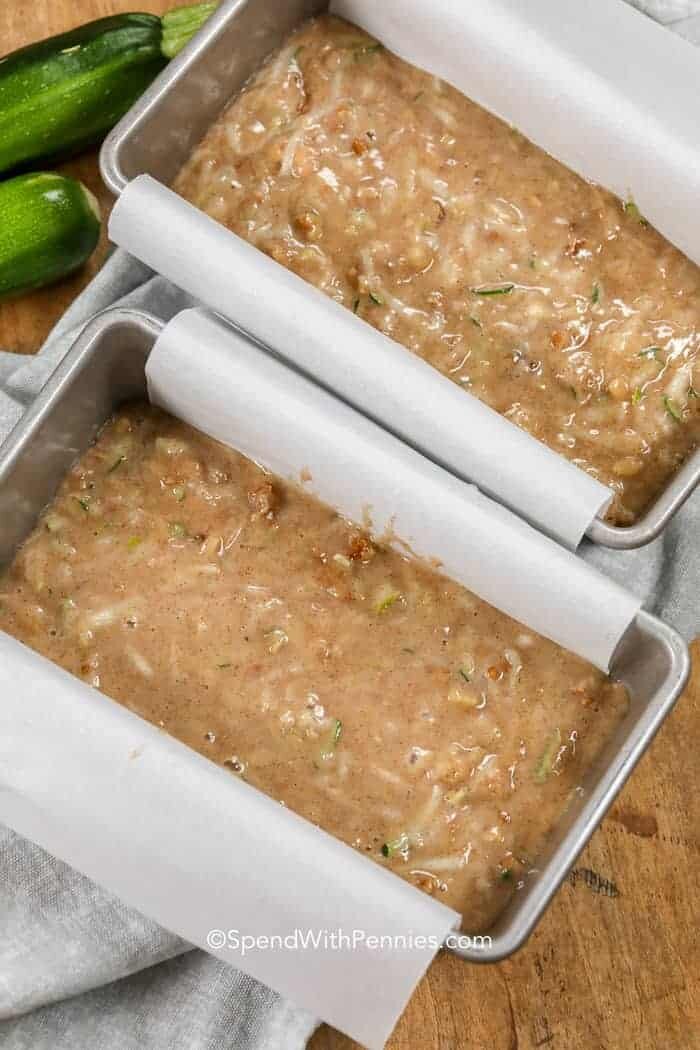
[329,746]
[631,209]
[500,289]
[398,845]
[546,761]
[117,463]
[363,50]
[386,597]
[651,351]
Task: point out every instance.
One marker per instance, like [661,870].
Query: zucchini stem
[181,24]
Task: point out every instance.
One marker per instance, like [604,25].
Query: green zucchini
[49,226]
[63,94]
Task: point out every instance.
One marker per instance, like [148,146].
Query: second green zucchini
[49,226]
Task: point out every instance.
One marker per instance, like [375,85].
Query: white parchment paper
[204,372]
[371,371]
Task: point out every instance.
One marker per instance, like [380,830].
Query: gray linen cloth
[78,969]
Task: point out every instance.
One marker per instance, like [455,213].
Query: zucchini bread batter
[357,686]
[543,295]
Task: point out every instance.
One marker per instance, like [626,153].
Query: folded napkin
[78,969]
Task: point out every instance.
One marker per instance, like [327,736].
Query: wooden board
[601,972]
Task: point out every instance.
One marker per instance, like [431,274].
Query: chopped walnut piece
[263,500]
[307,224]
[427,883]
[360,547]
[496,671]
[575,246]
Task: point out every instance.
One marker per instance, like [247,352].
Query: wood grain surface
[602,972]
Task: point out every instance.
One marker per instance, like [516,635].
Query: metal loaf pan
[163,127]
[105,368]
